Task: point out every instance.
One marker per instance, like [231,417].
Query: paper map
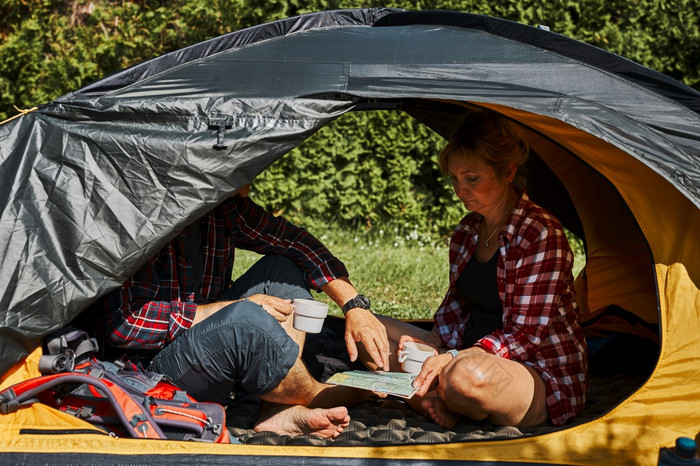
[392,383]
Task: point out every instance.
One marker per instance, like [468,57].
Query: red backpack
[124,403]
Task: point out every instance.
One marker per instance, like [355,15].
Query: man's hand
[361,325]
[278,308]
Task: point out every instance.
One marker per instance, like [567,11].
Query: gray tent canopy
[96,181]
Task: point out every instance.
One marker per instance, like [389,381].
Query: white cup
[413,356]
[309,315]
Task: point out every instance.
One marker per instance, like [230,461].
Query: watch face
[362,301]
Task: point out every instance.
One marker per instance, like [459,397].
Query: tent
[96,181]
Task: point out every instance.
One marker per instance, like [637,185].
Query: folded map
[393,383]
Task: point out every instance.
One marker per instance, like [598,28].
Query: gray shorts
[240,347]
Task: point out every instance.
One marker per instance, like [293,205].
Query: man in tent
[181,315]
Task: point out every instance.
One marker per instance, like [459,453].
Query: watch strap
[360,301]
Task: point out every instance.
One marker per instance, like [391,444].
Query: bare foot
[297,420]
[436,409]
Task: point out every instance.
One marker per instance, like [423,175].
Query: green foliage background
[362,171]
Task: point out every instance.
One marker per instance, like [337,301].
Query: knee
[243,324]
[281,264]
[248,346]
[465,377]
[210,358]
[274,259]
[277,276]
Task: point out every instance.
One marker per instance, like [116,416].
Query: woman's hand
[404,338]
[427,379]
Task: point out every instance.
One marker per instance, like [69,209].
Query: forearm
[340,290]
[361,325]
[207,310]
[260,231]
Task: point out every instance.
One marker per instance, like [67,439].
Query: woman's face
[477,184]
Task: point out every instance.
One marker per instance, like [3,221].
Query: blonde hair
[494,140]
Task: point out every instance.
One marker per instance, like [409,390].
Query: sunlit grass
[402,280]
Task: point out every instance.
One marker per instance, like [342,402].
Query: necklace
[486,243]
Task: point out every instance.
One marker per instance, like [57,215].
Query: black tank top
[477,284]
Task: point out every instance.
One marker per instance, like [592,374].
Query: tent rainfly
[96,181]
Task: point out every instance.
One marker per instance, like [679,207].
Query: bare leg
[300,388]
[484,386]
[298,420]
[285,408]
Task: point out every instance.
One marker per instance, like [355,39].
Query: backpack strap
[66,347]
[134,417]
[142,403]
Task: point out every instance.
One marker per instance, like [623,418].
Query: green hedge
[383,168]
[364,169]
[50,47]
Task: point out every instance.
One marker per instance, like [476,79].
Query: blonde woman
[508,345]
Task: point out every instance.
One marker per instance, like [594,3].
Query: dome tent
[98,180]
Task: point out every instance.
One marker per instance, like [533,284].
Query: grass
[405,281]
[404,275]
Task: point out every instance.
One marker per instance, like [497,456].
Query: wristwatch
[453,352]
[360,301]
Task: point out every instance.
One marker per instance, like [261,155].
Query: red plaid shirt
[159,301]
[540,315]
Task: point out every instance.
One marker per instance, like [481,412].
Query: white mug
[309,315]
[414,355]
